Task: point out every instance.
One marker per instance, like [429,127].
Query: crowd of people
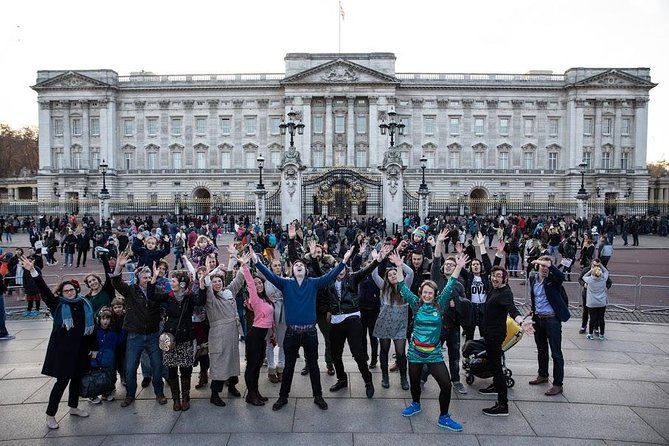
[418,288]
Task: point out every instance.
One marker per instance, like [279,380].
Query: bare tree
[18,150]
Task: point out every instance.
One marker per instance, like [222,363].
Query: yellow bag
[513,334]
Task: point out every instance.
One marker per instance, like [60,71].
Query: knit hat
[420,231]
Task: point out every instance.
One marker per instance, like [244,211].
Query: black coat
[67,352]
[178,315]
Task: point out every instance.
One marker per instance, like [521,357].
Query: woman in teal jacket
[425,345]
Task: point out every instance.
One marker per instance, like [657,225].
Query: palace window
[152,160]
[226,160]
[76,126]
[128,127]
[76,159]
[200,125]
[274,122]
[587,126]
[553,126]
[624,160]
[58,160]
[625,127]
[95,158]
[201,160]
[95,126]
[318,158]
[478,160]
[528,160]
[318,124]
[503,160]
[503,126]
[606,126]
[175,126]
[152,126]
[226,126]
[340,124]
[587,159]
[454,126]
[528,126]
[129,160]
[429,125]
[58,127]
[250,158]
[275,159]
[479,125]
[360,158]
[454,160]
[552,161]
[250,125]
[361,124]
[176,160]
[606,160]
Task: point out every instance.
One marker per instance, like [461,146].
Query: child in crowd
[203,248]
[105,356]
[148,251]
[118,317]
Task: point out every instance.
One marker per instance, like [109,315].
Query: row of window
[76,126]
[607,126]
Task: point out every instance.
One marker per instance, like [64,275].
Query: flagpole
[339,34]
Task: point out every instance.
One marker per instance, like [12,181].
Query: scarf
[63,315]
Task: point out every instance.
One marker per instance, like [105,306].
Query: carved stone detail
[164,105]
[542,104]
[417,102]
[492,103]
[45,105]
[640,102]
[340,73]
[373,100]
[188,104]
[139,105]
[467,102]
[516,103]
[237,103]
[442,102]
[213,103]
[262,103]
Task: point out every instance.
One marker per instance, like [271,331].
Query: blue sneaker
[34,313]
[449,423]
[26,313]
[412,409]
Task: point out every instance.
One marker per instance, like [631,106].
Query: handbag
[167,341]
[96,382]
[202,350]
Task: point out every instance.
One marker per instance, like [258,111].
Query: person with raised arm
[425,345]
[299,294]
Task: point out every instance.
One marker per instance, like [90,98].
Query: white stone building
[515,136]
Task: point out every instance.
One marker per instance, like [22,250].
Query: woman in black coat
[71,344]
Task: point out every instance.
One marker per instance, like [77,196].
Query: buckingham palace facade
[512,136]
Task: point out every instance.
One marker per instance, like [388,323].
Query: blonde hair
[203,238]
[596,271]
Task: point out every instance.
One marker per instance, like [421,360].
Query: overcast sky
[448,36]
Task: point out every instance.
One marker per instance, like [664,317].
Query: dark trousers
[440,373]
[174,372]
[349,330]
[368,320]
[597,319]
[586,311]
[477,313]
[324,327]
[57,393]
[82,253]
[255,352]
[451,336]
[548,332]
[292,342]
[493,348]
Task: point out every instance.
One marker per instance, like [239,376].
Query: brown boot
[185,393]
[203,380]
[272,376]
[174,388]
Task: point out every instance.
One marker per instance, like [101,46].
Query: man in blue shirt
[549,310]
[299,296]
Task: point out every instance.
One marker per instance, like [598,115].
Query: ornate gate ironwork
[410,203]
[273,204]
[342,192]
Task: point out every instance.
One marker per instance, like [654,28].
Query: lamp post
[582,196]
[104,194]
[392,127]
[423,193]
[291,127]
[423,165]
[261,165]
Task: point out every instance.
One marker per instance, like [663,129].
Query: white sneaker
[460,388]
[78,412]
[95,400]
[51,422]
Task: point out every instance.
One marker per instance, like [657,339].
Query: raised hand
[431,240]
[396,259]
[231,249]
[244,259]
[291,231]
[312,248]
[480,240]
[374,254]
[443,235]
[459,248]
[500,245]
[348,254]
[122,259]
[154,278]
[26,263]
[385,251]
[253,256]
[461,260]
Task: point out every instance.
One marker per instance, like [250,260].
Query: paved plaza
[615,392]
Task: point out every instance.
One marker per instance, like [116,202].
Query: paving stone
[629,372]
[167,439]
[416,439]
[142,417]
[26,421]
[16,391]
[650,359]
[350,415]
[615,392]
[594,421]
[656,418]
[80,441]
[489,440]
[6,371]
[613,345]
[236,416]
[292,439]
[19,345]
[25,371]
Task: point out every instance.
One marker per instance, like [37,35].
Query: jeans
[8,237]
[349,330]
[280,330]
[548,332]
[135,345]
[513,264]
[368,319]
[324,327]
[3,327]
[69,258]
[291,345]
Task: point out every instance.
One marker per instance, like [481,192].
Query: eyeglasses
[69,290]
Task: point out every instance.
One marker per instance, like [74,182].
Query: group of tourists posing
[406,291]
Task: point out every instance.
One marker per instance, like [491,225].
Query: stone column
[350,132]
[577,136]
[329,132]
[67,136]
[86,135]
[45,155]
[305,142]
[374,149]
[617,137]
[108,134]
[423,205]
[261,209]
[640,132]
[597,150]
[393,189]
[291,192]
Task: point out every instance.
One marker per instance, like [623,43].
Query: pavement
[616,392]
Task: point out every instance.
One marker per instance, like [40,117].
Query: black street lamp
[261,164]
[291,126]
[103,169]
[392,127]
[582,193]
[423,165]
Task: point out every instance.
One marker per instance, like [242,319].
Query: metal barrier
[623,294]
[657,289]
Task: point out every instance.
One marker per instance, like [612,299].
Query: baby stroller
[476,363]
